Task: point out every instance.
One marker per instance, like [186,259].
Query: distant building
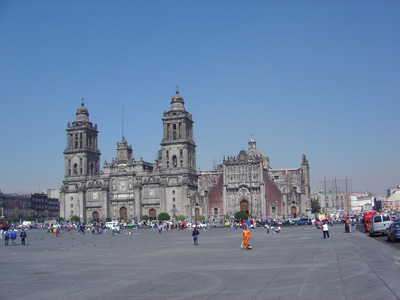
[361,201]
[127,189]
[38,206]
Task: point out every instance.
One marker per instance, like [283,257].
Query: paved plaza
[294,264]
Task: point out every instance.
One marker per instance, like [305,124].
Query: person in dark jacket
[23,237]
[195,234]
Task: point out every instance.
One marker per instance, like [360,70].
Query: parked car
[393,232]
[304,222]
[379,224]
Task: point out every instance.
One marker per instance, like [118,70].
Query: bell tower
[82,158]
[178,148]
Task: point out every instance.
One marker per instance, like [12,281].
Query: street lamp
[251,200]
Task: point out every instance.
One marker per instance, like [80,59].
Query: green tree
[108,219]
[59,219]
[15,220]
[241,215]
[181,218]
[144,218]
[201,218]
[75,219]
[30,218]
[315,206]
[163,217]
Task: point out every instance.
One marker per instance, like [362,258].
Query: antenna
[122,121]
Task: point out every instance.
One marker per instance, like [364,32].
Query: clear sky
[315,77]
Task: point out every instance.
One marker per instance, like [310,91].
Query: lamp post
[251,200]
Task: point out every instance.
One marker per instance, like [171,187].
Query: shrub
[144,218]
[108,219]
[181,218]
[163,217]
[241,215]
[201,218]
[59,219]
[30,218]
[75,219]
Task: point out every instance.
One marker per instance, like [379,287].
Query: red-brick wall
[215,197]
[272,195]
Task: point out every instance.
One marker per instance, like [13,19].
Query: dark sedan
[393,232]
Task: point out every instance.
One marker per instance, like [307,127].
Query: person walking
[246,235]
[195,234]
[347,225]
[13,237]
[353,226]
[23,237]
[325,230]
[6,237]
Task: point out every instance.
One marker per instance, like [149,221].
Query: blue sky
[314,77]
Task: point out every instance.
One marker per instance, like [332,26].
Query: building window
[181,153]
[174,161]
[215,210]
[205,193]
[173,199]
[167,154]
[72,205]
[273,210]
[181,163]
[276,177]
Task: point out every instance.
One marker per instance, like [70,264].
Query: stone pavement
[294,264]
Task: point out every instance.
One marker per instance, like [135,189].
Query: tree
[75,219]
[163,217]
[181,218]
[30,218]
[241,215]
[315,206]
[201,218]
[14,220]
[108,219]
[59,219]
[144,218]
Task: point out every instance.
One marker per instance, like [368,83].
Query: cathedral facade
[127,189]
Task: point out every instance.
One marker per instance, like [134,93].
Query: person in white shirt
[325,230]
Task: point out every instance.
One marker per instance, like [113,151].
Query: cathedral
[127,189]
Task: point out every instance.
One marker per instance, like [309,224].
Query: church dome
[177,102]
[252,152]
[82,113]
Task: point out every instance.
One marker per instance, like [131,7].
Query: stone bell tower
[82,158]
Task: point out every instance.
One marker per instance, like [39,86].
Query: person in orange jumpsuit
[246,235]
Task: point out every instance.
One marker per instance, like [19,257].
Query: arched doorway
[152,214]
[244,206]
[123,214]
[95,217]
[293,212]
[196,214]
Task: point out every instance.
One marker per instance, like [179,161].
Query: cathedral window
[181,163]
[273,210]
[167,164]
[174,161]
[75,169]
[174,135]
[215,210]
[167,154]
[80,140]
[181,153]
[76,141]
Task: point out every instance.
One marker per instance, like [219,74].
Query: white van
[379,224]
[112,225]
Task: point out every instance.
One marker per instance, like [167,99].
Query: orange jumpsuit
[246,235]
